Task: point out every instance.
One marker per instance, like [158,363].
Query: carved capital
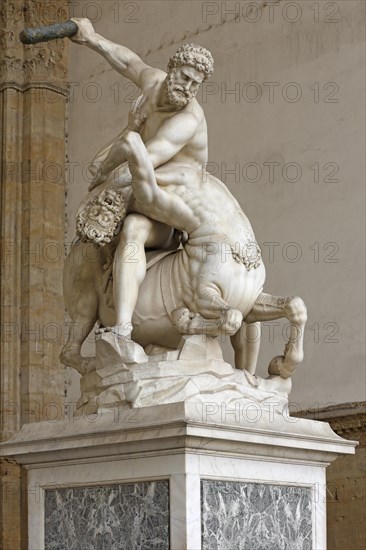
[44,61]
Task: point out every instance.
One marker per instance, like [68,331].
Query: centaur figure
[212,285]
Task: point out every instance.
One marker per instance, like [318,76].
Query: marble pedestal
[178,476]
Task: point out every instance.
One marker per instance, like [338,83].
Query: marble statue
[176,262]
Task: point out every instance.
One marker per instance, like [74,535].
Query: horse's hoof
[72,359]
[277,367]
[87,364]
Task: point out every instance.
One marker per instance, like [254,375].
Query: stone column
[33,95]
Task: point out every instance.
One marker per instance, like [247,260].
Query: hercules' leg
[129,268]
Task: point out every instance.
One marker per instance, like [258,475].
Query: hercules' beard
[177,95]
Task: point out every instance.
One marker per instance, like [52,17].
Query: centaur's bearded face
[182,84]
[100,218]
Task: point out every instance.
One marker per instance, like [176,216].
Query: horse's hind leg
[246,344]
[269,308]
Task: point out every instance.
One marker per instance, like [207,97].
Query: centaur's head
[100,216]
[187,69]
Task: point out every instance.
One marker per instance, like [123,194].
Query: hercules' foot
[117,330]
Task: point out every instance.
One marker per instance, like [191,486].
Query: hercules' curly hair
[195,56]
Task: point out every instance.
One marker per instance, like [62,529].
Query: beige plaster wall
[296,153]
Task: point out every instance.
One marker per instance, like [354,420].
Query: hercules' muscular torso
[195,152]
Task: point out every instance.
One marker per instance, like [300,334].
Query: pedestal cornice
[176,428]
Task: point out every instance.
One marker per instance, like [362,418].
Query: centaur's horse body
[171,310]
[162,294]
[211,285]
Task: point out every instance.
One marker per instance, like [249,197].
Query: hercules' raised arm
[119,57]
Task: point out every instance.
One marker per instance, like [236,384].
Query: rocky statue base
[124,375]
[180,476]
